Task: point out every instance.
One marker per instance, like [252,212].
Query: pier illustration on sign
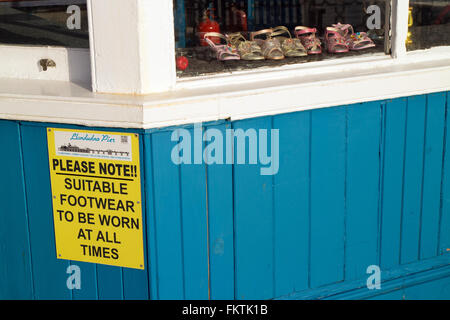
[76,149]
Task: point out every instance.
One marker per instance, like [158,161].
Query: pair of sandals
[277,43]
[236,47]
[305,43]
[342,38]
[272,44]
[309,39]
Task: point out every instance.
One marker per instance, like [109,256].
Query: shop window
[429,24]
[284,32]
[44,22]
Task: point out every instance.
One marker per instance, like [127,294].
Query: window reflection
[429,24]
[44,22]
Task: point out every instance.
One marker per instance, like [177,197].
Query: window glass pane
[44,22]
[429,24]
[308,22]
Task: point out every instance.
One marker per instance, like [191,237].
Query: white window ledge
[237,96]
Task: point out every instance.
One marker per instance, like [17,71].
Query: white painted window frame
[132,51]
[153,66]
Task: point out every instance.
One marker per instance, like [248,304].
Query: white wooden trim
[133,46]
[62,102]
[399,27]
[22,62]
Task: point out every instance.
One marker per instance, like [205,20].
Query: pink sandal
[224,52]
[336,43]
[309,40]
[355,41]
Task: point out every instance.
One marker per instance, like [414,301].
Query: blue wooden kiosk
[358,185]
[361,183]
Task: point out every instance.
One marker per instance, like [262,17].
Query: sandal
[271,48]
[248,50]
[292,47]
[336,43]
[355,41]
[224,52]
[309,40]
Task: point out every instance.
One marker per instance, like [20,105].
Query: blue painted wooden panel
[253,224]
[109,282]
[393,295]
[220,218]
[431,290]
[194,225]
[431,194]
[168,219]
[393,150]
[444,230]
[89,288]
[291,203]
[355,185]
[16,278]
[362,188]
[152,262]
[412,178]
[328,170]
[437,289]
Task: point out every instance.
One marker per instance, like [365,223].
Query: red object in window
[238,20]
[182,63]
[208,25]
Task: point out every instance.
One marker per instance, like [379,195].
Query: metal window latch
[47,63]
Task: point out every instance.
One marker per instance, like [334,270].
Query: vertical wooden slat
[392,181]
[362,188]
[291,203]
[327,195]
[49,273]
[15,260]
[167,219]
[152,260]
[194,220]
[220,216]
[109,282]
[412,181]
[88,290]
[135,284]
[432,175]
[253,224]
[444,230]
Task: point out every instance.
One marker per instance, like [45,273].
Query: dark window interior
[43,22]
[262,14]
[429,24]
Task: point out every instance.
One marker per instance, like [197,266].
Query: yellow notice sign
[96,187]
